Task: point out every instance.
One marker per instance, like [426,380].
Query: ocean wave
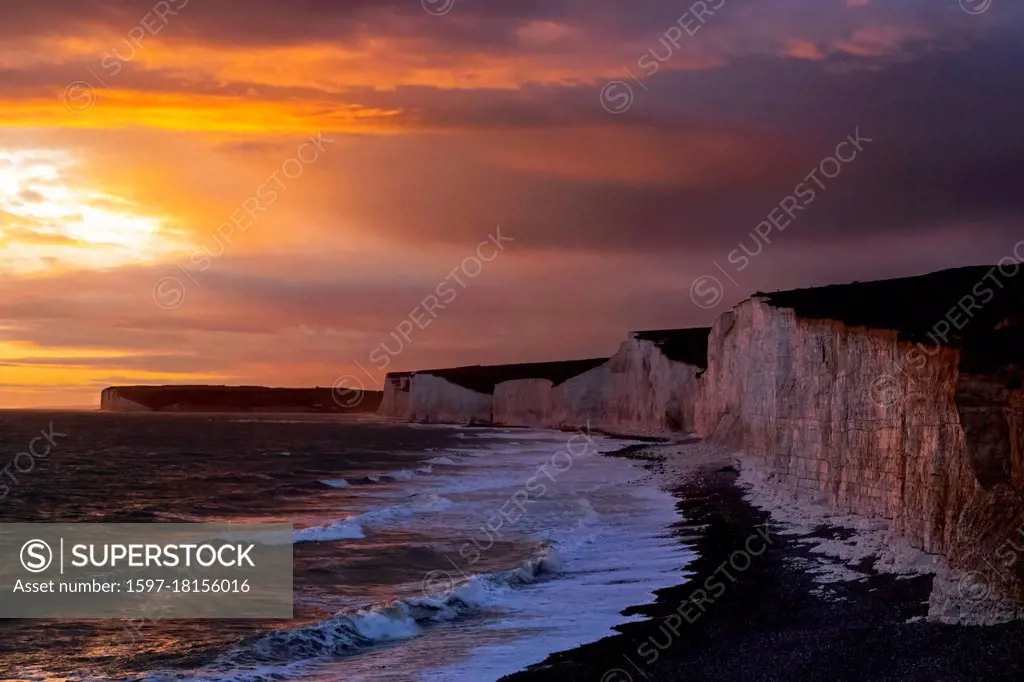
[228,477]
[179,517]
[272,655]
[335,482]
[269,421]
[417,504]
[374,479]
[353,527]
[345,529]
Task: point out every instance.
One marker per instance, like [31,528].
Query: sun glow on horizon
[51,219]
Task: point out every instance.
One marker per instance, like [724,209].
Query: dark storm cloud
[273,21]
[947,146]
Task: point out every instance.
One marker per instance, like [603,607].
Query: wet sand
[770,620]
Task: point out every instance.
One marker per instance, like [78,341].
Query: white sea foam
[602,520]
[344,529]
[354,527]
[283,653]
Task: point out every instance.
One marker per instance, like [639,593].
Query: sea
[421,552]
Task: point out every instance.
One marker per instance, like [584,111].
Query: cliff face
[466,395]
[645,390]
[873,424]
[639,390]
[830,411]
[395,402]
[434,399]
[524,402]
[112,400]
[900,400]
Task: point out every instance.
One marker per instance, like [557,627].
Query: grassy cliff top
[680,345]
[483,378]
[943,308]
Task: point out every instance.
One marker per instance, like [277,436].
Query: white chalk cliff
[638,390]
[112,400]
[900,401]
[424,397]
[873,425]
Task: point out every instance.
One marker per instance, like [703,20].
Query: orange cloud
[803,50]
[34,375]
[444,128]
[84,106]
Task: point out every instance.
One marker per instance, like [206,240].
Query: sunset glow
[158,183]
[53,221]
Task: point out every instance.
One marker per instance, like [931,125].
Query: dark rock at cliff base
[898,400]
[768,622]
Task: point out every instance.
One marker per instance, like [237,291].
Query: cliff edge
[897,400]
[900,401]
[466,395]
[648,386]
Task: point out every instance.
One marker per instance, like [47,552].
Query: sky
[315,192]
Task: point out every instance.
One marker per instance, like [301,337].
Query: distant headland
[237,399]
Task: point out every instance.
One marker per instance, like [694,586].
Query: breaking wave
[271,656]
[352,527]
[400,475]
